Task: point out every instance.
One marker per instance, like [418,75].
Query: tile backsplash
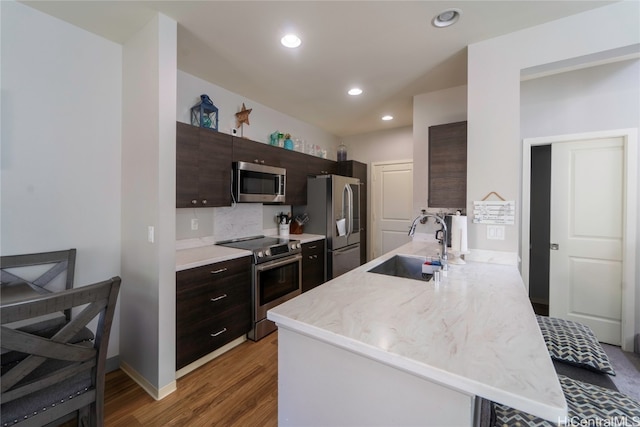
[241,220]
[224,223]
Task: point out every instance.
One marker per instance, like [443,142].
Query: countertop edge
[440,376]
[552,411]
[194,253]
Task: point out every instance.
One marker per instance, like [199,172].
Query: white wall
[494,130]
[592,99]
[598,98]
[148,200]
[391,144]
[430,109]
[263,120]
[494,66]
[61,127]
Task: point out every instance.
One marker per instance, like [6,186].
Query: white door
[587,205]
[392,206]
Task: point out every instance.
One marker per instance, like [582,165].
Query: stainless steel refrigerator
[333,205]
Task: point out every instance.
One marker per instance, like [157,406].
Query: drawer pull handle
[218,298]
[312,247]
[222,270]
[219,332]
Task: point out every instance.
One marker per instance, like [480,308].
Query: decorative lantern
[205,114]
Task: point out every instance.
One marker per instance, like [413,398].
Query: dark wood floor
[238,388]
[541,309]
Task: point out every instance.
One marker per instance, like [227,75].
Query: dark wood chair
[56,378]
[37,273]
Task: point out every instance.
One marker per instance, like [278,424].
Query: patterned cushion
[574,343]
[587,404]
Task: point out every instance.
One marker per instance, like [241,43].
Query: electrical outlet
[495,232]
[151,234]
[194,223]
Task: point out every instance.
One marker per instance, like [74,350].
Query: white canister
[283,230]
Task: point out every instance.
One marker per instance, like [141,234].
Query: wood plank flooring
[238,388]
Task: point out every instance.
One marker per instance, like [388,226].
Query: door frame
[630,217]
[373,196]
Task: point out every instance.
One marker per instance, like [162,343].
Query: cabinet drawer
[220,271]
[212,298]
[202,338]
[213,307]
[314,248]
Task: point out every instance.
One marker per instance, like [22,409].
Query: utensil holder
[283,230]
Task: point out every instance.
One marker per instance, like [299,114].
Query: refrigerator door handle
[345,207]
[350,193]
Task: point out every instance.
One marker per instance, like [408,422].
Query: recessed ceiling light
[291,41]
[387,117]
[355,91]
[446,18]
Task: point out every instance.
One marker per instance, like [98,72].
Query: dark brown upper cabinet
[448,165]
[298,165]
[203,167]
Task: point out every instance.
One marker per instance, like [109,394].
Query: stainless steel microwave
[258,183]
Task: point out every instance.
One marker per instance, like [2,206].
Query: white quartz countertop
[475,331]
[203,251]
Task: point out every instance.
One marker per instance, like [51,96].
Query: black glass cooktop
[254,243]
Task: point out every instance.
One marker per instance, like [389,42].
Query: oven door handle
[278,263]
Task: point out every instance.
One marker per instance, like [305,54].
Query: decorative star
[243,116]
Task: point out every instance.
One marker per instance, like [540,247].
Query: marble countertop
[193,253]
[475,331]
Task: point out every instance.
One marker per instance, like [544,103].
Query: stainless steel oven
[274,283]
[277,277]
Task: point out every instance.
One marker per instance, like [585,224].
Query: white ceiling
[388,48]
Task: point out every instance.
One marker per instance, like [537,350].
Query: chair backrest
[56,377]
[37,273]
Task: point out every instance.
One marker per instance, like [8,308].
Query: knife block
[296,228]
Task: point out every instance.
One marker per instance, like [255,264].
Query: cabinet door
[448,165]
[319,166]
[246,150]
[296,165]
[203,167]
[213,307]
[187,160]
[215,168]
[313,264]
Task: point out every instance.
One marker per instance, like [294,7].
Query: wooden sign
[494,212]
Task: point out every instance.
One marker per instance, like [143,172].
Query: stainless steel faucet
[443,253]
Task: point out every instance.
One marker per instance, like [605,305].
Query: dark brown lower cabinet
[313,269]
[213,307]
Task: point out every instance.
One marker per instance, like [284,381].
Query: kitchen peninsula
[372,349]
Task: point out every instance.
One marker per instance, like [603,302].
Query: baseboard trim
[209,357]
[157,394]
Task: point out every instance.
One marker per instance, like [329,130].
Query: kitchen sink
[406,266]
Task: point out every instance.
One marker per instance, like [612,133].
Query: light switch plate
[495,232]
